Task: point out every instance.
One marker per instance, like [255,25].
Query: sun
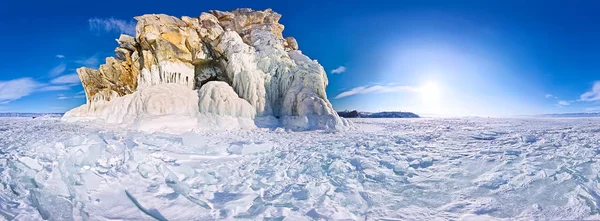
[430,93]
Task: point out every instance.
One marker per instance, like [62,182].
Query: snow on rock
[295,85]
[159,106]
[219,98]
[171,108]
[246,78]
[244,49]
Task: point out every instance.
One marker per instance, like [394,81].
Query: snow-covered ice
[390,169]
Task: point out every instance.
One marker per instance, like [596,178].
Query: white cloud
[112,25]
[592,109]
[564,103]
[339,70]
[53,87]
[376,89]
[559,103]
[60,56]
[22,87]
[91,62]
[592,95]
[66,79]
[63,97]
[58,70]
[16,89]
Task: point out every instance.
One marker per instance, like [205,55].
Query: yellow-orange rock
[245,20]
[167,47]
[114,76]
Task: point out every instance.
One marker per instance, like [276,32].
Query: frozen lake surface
[394,169]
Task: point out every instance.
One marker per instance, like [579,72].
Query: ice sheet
[394,169]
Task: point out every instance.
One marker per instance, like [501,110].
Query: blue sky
[486,58]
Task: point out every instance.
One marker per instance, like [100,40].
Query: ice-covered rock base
[399,169]
[170,108]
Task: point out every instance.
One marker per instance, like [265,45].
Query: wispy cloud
[564,103]
[90,62]
[112,25]
[58,70]
[16,89]
[60,56]
[63,97]
[66,79]
[339,70]
[45,87]
[591,109]
[592,95]
[559,103]
[376,89]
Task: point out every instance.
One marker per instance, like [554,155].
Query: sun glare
[430,93]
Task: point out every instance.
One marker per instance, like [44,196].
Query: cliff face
[243,48]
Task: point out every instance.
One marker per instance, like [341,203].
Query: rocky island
[384,114]
[217,70]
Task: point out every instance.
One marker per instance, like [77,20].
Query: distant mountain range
[385,114]
[31,114]
[570,115]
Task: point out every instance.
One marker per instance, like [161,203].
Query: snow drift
[218,70]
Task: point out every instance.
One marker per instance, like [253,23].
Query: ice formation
[153,103]
[170,106]
[220,99]
[386,169]
[167,71]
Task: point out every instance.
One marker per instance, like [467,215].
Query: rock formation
[259,73]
